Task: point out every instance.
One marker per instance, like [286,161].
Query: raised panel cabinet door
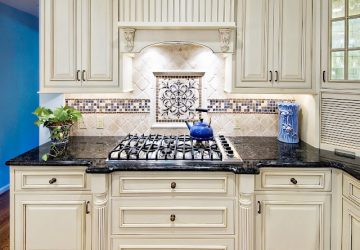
[51,223]
[61,40]
[292,43]
[99,46]
[254,56]
[295,222]
[351,226]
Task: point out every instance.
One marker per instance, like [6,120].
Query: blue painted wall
[19,81]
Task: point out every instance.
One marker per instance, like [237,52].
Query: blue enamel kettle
[201,131]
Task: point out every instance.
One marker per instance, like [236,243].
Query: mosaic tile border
[110,106]
[245,106]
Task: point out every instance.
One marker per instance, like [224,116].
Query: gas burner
[164,147]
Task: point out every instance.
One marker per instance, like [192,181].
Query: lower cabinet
[351,226]
[173,244]
[52,222]
[293,221]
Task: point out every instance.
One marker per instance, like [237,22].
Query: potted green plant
[59,122]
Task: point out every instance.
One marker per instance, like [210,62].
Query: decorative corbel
[225,35]
[129,35]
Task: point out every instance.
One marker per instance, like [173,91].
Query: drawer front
[302,179]
[174,184]
[351,188]
[173,244]
[51,180]
[158,216]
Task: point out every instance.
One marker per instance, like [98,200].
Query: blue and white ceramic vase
[288,122]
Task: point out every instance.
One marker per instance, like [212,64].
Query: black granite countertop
[256,152]
[85,151]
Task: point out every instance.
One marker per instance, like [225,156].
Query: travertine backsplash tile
[227,124]
[231,114]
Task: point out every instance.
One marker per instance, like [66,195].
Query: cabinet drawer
[172,244]
[51,180]
[159,216]
[173,183]
[301,179]
[351,188]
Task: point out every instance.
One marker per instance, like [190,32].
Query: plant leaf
[44,157]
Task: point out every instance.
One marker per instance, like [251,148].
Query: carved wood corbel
[129,35]
[225,35]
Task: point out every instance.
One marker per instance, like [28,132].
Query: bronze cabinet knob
[52,181]
[172,217]
[293,181]
[173,185]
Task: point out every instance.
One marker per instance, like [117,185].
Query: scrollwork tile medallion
[178,94]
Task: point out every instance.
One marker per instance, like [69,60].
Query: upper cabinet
[79,48]
[274,44]
[341,44]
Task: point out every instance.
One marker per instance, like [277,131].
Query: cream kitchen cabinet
[52,222]
[351,226]
[351,213]
[274,44]
[51,208]
[340,39]
[293,209]
[79,48]
[293,221]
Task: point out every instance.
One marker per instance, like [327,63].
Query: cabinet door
[292,43]
[61,38]
[295,222]
[340,42]
[351,226]
[51,222]
[99,47]
[254,56]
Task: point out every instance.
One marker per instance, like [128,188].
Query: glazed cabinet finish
[351,213]
[50,208]
[99,58]
[293,209]
[340,52]
[294,222]
[173,210]
[351,226]
[173,244]
[61,53]
[79,49]
[52,222]
[274,44]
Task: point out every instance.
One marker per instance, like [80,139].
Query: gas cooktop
[173,147]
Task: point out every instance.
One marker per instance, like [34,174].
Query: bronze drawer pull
[77,76]
[293,181]
[52,181]
[173,185]
[87,210]
[172,217]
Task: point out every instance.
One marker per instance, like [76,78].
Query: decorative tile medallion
[246,106]
[178,94]
[110,105]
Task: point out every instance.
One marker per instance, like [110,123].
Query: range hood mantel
[178,25]
[219,40]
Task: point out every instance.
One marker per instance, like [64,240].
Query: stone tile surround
[135,112]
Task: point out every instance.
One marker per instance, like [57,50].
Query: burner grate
[161,147]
